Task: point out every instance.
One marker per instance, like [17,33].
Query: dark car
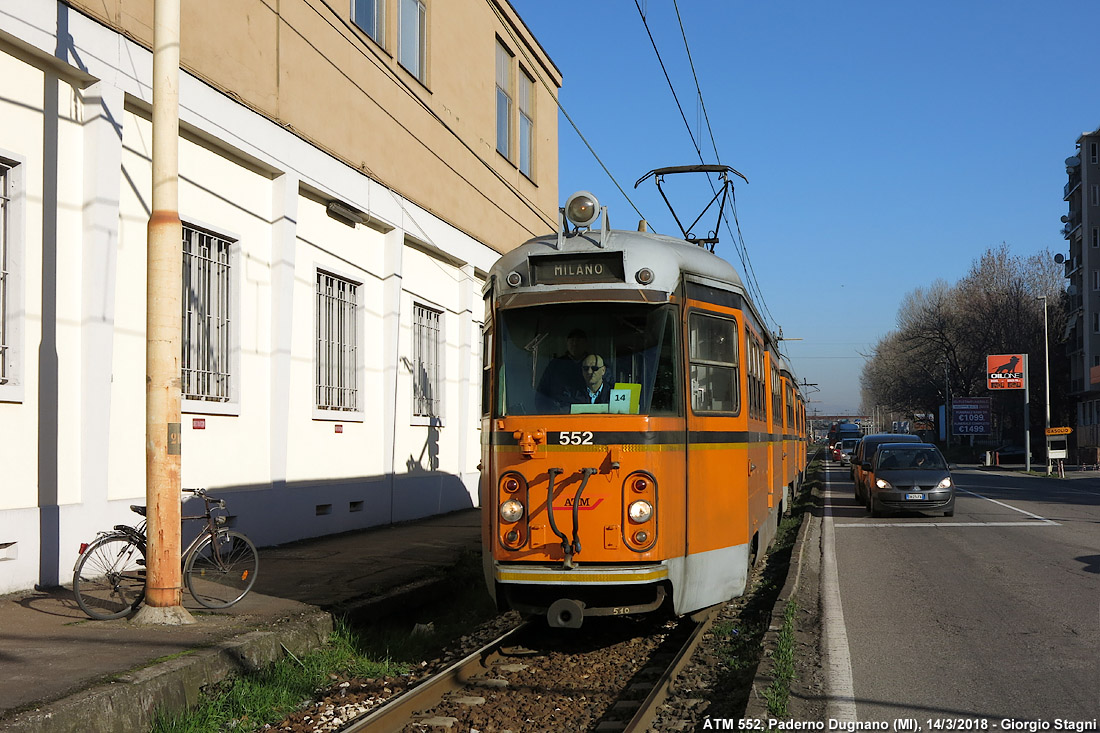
[909,476]
[865,452]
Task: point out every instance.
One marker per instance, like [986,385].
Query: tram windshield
[612,358]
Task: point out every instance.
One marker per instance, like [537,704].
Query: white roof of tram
[666,256]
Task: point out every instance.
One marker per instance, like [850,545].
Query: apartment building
[1082,230]
[348,172]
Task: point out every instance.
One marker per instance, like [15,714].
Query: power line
[740,248]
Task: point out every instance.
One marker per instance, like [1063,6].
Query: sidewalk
[64,672]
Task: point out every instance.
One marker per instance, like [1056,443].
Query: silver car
[909,476]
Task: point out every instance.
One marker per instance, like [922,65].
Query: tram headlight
[644,276]
[582,209]
[514,279]
[511,511]
[640,511]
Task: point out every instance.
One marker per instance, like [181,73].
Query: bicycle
[219,565]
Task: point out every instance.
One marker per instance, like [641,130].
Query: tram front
[583,432]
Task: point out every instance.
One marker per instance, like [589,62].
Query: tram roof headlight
[644,276]
[582,209]
[514,279]
[640,511]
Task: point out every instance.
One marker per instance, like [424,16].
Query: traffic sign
[1059,431]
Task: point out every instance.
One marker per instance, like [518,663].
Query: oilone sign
[1005,371]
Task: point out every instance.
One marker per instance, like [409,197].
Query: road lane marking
[840,692]
[1036,520]
[1007,506]
[891,525]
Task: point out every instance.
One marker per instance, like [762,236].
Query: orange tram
[657,483]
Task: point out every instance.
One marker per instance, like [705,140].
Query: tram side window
[714,364]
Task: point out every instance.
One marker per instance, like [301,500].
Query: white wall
[72,435]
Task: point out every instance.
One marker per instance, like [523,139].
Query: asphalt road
[987,616]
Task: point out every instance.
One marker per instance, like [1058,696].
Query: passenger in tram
[563,378]
[597,390]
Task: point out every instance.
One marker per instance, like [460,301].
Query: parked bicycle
[219,565]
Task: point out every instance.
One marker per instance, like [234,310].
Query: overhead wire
[738,241]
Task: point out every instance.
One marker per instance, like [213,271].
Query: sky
[886,144]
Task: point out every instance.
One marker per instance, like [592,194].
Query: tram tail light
[639,525]
[512,511]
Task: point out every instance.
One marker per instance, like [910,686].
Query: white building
[332,334]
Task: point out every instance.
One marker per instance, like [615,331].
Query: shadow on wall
[273,514]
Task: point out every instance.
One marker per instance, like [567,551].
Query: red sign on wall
[1005,371]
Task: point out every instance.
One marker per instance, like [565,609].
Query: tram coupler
[565,613]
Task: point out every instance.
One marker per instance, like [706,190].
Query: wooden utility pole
[163,448]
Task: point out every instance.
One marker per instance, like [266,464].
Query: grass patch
[386,649]
[779,691]
[249,701]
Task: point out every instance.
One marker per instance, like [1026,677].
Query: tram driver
[597,390]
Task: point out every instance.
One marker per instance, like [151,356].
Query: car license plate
[914,497]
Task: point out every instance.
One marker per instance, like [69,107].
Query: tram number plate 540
[575,437]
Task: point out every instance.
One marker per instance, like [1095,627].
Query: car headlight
[511,511]
[640,511]
[945,484]
[883,483]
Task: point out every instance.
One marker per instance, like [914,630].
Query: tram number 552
[575,437]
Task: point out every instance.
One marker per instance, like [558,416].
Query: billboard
[1005,371]
[972,416]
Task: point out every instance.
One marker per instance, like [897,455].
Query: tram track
[613,675]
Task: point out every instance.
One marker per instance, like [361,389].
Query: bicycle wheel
[109,578]
[220,573]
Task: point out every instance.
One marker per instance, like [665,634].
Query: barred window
[5,202]
[427,362]
[207,310]
[337,357]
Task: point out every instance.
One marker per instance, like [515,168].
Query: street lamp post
[1046,368]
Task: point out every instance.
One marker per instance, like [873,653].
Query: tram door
[716,456]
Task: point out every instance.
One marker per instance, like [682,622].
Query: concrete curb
[129,703]
[808,539]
